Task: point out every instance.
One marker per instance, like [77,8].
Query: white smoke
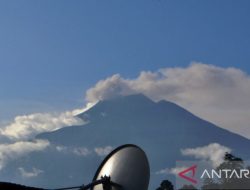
[220,95]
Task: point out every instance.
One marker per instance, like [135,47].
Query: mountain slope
[136,118]
[162,129]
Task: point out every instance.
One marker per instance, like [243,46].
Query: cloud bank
[220,95]
[27,126]
[16,150]
[16,134]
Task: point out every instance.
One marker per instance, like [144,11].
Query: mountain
[137,119]
[161,129]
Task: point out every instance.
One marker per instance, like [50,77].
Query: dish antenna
[125,168]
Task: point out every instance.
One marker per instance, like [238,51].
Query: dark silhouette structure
[166,185]
[12,186]
[188,187]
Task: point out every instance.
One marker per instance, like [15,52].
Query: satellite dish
[126,166]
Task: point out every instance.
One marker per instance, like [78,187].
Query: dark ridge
[13,186]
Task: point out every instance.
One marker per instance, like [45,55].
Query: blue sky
[51,52]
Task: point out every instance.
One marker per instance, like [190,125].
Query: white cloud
[27,126]
[29,174]
[15,134]
[173,171]
[163,171]
[213,152]
[103,151]
[81,151]
[220,95]
[16,150]
[61,148]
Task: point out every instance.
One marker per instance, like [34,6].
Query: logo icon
[183,174]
